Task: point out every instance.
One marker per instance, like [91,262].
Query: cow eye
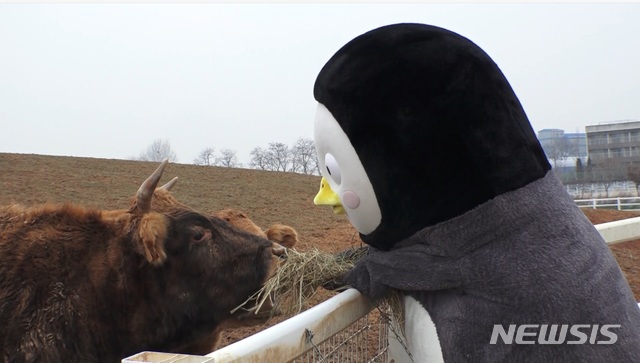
[198,235]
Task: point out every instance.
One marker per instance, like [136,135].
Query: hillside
[267,197]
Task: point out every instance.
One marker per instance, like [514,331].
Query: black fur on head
[434,122]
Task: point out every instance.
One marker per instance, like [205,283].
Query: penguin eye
[333,169]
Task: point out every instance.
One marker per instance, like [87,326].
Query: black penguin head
[433,122]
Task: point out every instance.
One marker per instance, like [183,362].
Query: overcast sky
[106,80]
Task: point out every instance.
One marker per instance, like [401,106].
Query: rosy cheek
[350,199]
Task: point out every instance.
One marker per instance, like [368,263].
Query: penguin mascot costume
[424,145]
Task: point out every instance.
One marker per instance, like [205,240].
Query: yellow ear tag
[326,196]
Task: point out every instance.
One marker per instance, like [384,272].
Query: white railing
[620,231]
[307,331]
[619,203]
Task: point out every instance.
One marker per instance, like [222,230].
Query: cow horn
[170,184]
[143,197]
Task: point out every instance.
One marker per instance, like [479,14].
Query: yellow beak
[326,196]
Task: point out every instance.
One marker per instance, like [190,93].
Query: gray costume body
[529,256]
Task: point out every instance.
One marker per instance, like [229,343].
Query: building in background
[601,162]
[563,149]
[617,142]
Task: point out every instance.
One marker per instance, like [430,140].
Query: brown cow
[81,284]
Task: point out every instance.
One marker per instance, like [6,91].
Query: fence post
[594,203]
[618,199]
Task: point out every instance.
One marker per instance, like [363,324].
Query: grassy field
[267,197]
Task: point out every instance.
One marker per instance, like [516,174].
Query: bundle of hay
[303,273]
[299,277]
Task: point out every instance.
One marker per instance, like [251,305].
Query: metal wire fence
[366,340]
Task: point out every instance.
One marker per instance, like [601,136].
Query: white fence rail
[304,333]
[620,231]
[619,203]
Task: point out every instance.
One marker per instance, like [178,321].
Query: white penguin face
[343,171]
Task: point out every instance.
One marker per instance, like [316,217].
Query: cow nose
[278,250]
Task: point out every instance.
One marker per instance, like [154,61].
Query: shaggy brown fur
[283,235]
[81,284]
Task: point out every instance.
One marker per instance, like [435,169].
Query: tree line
[604,173]
[298,158]
[276,156]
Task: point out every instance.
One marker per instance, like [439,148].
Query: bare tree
[303,157]
[558,150]
[158,150]
[259,159]
[227,158]
[633,171]
[608,173]
[279,156]
[206,157]
[300,158]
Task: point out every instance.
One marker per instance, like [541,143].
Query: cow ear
[152,232]
[284,235]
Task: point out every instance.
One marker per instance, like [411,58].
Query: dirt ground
[627,254]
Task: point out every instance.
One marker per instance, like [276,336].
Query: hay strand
[298,279]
